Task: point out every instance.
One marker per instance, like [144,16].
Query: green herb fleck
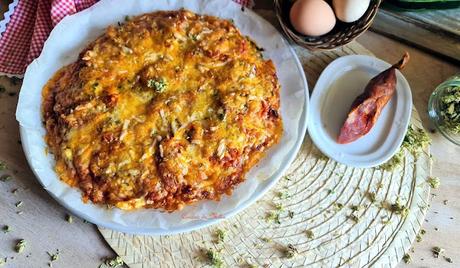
[330,191]
[6,229]
[407,259]
[6,178]
[278,206]
[213,258]
[273,216]
[371,196]
[434,182]
[283,195]
[291,214]
[3,166]
[54,257]
[19,204]
[437,251]
[448,259]
[356,207]
[112,263]
[310,234]
[20,245]
[220,236]
[419,236]
[69,218]
[266,239]
[158,85]
[415,141]
[399,209]
[338,206]
[354,218]
[290,251]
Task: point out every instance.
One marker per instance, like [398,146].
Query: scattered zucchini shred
[283,194]
[220,236]
[419,236]
[437,251]
[338,206]
[54,257]
[434,182]
[266,239]
[112,262]
[3,166]
[279,207]
[371,196]
[353,217]
[273,216]
[310,234]
[407,259]
[213,258]
[290,251]
[69,218]
[399,209]
[414,142]
[6,178]
[20,246]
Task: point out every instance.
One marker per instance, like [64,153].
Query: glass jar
[437,109]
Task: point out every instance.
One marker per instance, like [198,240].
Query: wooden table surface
[42,220]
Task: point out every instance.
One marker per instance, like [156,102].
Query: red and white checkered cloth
[30,24]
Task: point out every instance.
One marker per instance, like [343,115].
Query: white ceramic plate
[337,87]
[72,34]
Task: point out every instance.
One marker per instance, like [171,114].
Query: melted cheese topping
[164,110]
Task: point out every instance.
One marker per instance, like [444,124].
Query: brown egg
[312,17]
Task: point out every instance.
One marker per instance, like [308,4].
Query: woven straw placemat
[320,214]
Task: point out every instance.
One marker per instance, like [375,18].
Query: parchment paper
[74,33]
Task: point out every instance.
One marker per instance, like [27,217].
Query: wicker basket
[342,34]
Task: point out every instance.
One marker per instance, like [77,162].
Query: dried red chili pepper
[367,107]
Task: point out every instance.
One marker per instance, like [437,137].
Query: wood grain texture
[314,186]
[434,30]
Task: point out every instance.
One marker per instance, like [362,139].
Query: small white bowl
[337,87]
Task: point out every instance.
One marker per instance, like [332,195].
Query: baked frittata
[163,110]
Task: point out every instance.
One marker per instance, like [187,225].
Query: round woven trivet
[329,213]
